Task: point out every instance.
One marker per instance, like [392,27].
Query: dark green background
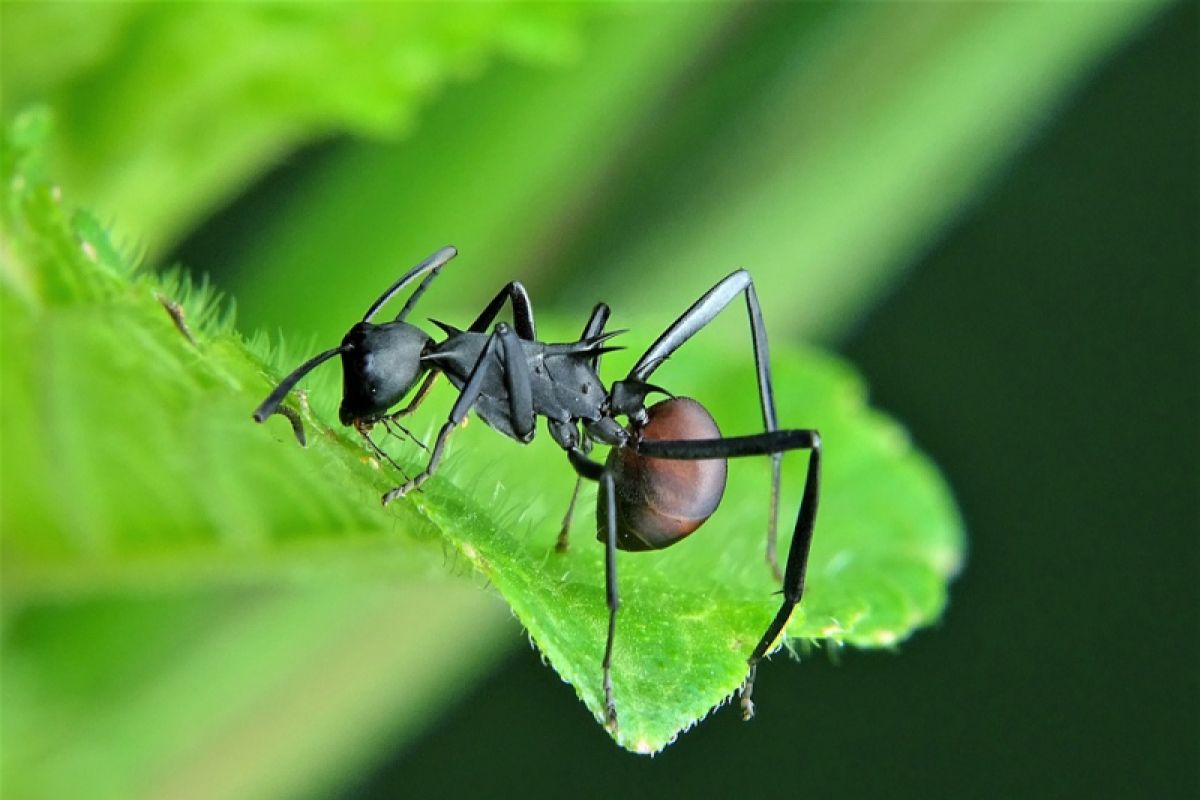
[1041,347]
[1044,352]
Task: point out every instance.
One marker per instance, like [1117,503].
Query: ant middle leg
[563,543]
[594,327]
[586,468]
[418,398]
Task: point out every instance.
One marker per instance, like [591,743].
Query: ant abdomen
[660,501]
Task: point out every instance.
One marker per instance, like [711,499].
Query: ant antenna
[433,265]
[271,404]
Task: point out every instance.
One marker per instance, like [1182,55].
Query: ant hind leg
[771,443]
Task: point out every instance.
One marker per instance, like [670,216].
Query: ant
[665,474]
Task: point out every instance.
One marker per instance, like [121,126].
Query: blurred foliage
[657,145]
[167,109]
[820,145]
[252,692]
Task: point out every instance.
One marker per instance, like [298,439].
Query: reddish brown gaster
[661,501]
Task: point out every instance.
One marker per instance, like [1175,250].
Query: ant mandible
[665,474]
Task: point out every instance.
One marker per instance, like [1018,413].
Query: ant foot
[610,718]
[399,491]
[746,692]
[747,709]
[610,706]
[408,486]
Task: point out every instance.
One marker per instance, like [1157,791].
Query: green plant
[175,490]
[178,581]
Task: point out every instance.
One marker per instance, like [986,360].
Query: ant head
[380,364]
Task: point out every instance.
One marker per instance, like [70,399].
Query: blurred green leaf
[865,132]
[823,146]
[253,693]
[166,109]
[141,470]
[502,167]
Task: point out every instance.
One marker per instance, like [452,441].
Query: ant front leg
[418,398]
[563,543]
[364,430]
[771,443]
[501,351]
[394,418]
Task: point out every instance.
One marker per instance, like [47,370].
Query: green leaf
[504,166]
[888,539]
[823,146]
[140,465]
[140,470]
[172,590]
[168,109]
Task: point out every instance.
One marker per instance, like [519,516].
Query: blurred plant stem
[822,146]
[865,132]
[493,169]
[277,693]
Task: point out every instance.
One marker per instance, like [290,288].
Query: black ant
[665,474]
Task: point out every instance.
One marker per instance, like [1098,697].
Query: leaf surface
[141,470]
